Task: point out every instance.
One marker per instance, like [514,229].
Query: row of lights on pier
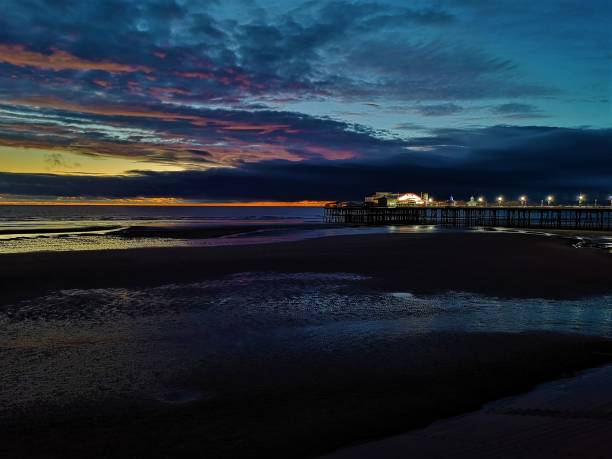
[549,200]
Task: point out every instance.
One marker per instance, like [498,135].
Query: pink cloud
[19,56]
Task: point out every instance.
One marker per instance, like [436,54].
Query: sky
[219,101]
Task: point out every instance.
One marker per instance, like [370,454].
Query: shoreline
[55,230]
[202,232]
[180,230]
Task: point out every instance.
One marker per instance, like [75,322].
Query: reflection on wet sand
[262,335]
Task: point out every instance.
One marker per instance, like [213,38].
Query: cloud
[517,110]
[174,134]
[519,162]
[405,70]
[61,60]
[409,126]
[181,52]
[438,110]
[55,160]
[514,108]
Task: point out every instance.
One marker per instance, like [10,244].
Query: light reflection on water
[91,344]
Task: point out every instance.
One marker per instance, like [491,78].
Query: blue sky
[180,99]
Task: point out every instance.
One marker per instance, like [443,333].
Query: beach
[290,349]
[503,265]
[564,418]
[305,229]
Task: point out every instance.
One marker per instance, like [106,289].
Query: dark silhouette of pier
[543,217]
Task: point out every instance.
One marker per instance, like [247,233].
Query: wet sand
[568,418]
[501,265]
[195,232]
[272,407]
[267,403]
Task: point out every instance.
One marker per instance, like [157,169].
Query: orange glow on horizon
[162,202]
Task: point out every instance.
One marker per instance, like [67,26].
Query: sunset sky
[280,100]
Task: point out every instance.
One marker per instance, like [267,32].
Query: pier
[541,217]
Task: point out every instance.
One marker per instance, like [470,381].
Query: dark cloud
[514,108]
[333,49]
[517,110]
[530,160]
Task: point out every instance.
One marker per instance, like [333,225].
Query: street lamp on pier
[581,199]
[500,200]
[523,200]
[550,199]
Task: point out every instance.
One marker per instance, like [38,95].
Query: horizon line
[169,203]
